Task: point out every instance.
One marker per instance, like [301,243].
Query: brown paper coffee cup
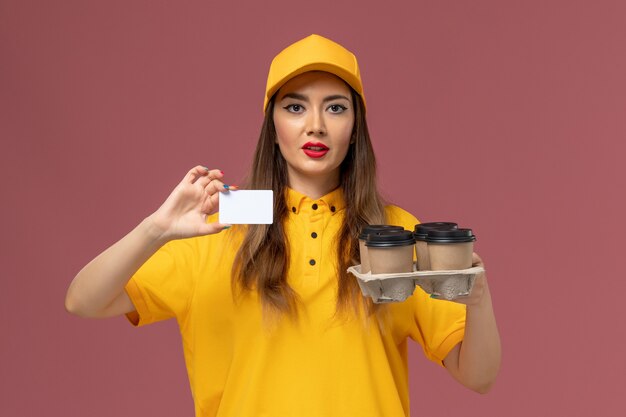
[450,249]
[365,259]
[423,258]
[421,247]
[389,253]
[367,230]
[391,260]
[450,256]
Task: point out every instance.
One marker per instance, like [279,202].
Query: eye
[294,108]
[337,108]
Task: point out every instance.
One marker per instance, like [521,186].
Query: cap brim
[345,75]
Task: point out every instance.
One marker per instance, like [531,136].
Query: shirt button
[312,262]
[314,206]
[313,235]
[332,208]
[293,209]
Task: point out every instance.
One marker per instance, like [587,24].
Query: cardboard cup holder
[390,288]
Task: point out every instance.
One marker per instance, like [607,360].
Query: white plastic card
[247,207]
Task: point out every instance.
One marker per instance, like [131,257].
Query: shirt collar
[332,202]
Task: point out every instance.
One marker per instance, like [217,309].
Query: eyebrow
[306,99]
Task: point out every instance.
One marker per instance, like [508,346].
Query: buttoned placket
[314,227]
[311,219]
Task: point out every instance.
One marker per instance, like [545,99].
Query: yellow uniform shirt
[240,366]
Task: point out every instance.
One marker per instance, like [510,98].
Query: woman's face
[314,116]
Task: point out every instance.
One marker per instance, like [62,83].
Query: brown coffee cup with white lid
[450,249]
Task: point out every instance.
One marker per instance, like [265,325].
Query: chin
[318,171]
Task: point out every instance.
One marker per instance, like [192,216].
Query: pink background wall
[506,116]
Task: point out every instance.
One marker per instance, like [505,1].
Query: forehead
[312,81]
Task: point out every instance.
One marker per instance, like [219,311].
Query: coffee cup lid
[390,238]
[421,230]
[450,236]
[374,228]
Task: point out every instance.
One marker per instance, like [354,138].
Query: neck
[313,187]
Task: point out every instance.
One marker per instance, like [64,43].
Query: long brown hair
[263,258]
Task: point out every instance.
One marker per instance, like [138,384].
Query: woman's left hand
[479,288]
[475,361]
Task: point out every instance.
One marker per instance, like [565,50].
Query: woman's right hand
[184,212]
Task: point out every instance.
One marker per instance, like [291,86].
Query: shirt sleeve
[162,288]
[437,325]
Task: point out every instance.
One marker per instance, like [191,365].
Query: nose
[315,124]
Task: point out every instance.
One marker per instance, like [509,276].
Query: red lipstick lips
[315,149]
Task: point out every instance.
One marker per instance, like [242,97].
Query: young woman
[270,321]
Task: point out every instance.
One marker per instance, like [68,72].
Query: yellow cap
[313,53]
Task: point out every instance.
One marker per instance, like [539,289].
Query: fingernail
[433,296]
[226,227]
[222,172]
[226,186]
[205,168]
